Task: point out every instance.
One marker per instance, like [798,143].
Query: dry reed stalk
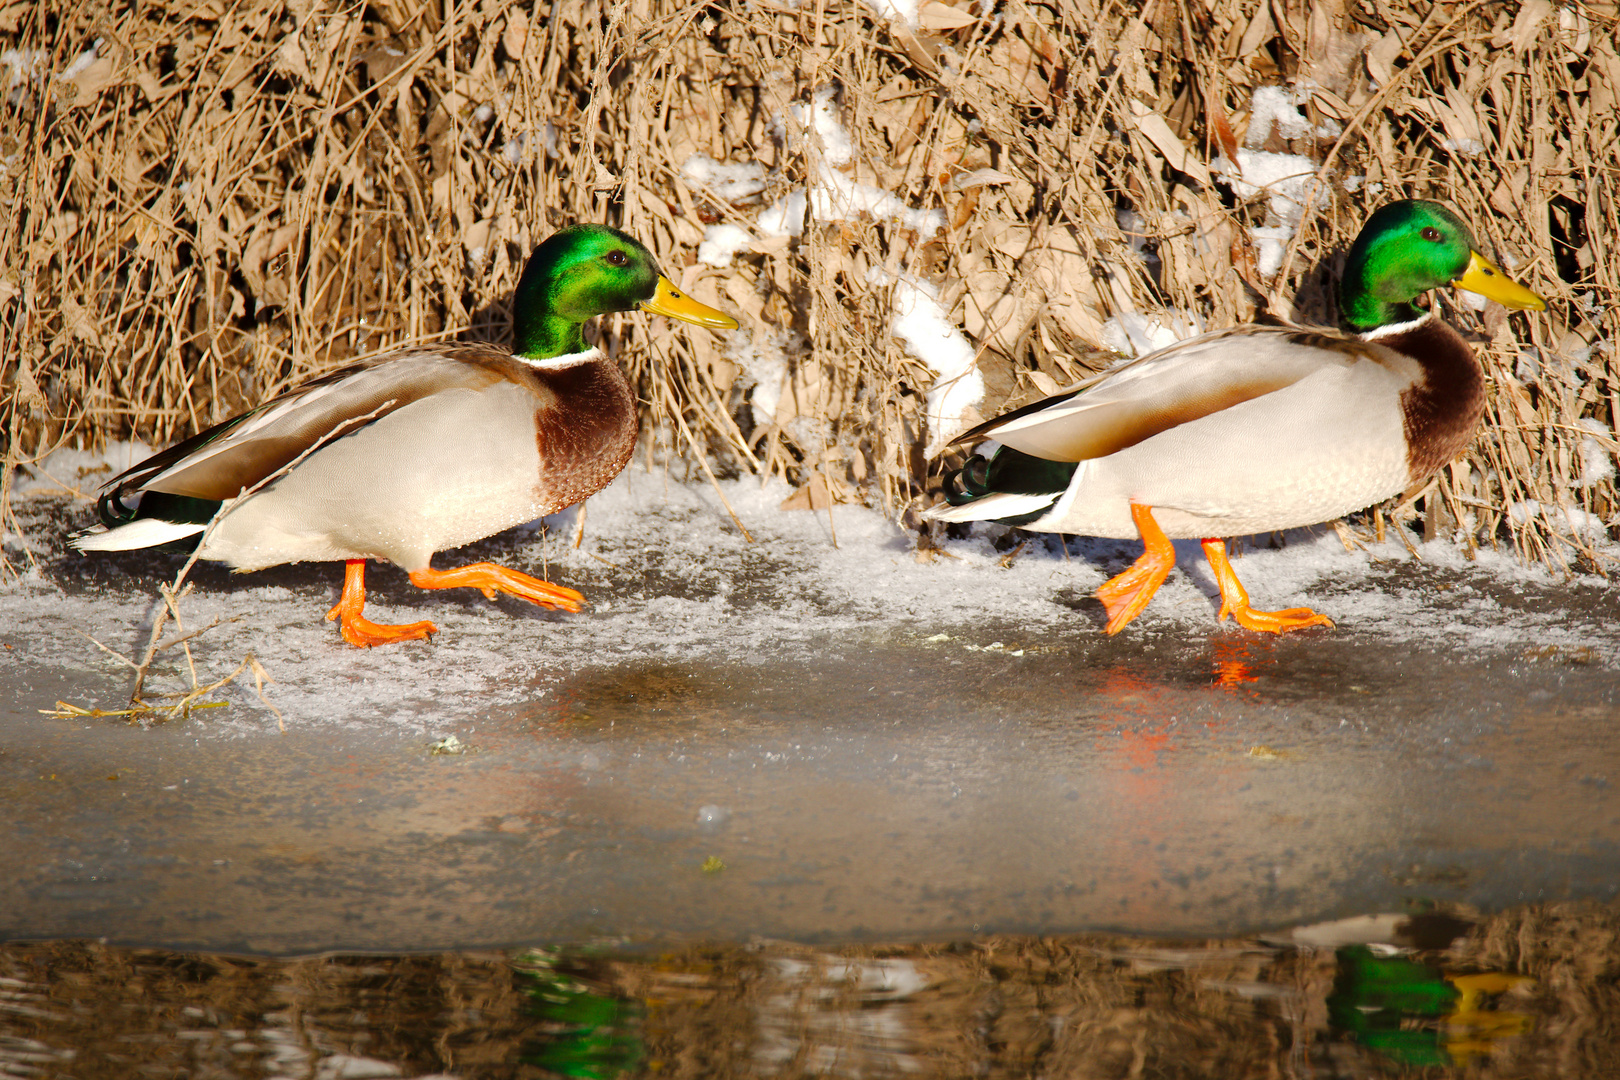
[226,197]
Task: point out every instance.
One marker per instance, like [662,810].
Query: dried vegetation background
[208,202]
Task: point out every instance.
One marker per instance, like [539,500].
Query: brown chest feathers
[1442,412]
[585,428]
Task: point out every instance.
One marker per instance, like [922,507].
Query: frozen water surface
[801,739]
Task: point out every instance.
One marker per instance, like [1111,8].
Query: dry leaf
[516,35]
[89,83]
[1014,61]
[1259,31]
[981,178]
[1457,116]
[382,61]
[77,321]
[936,16]
[475,237]
[1575,29]
[290,58]
[1332,52]
[1526,25]
[1381,57]
[1157,131]
[814,495]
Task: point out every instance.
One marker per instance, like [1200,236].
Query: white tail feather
[141,533]
[992,507]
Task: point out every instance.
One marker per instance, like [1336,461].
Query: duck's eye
[616,258]
[1431,233]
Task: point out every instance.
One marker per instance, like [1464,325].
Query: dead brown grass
[228,196]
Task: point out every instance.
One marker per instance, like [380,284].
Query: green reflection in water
[1414,1013]
[586,1034]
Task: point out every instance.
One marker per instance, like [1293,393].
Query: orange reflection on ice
[1234,663]
[1136,698]
[1153,740]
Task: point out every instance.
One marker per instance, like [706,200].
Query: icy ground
[668,576]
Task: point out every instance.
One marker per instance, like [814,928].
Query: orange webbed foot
[360,631]
[1235,599]
[1125,595]
[490,579]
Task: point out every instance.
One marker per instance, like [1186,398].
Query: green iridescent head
[1408,248]
[588,270]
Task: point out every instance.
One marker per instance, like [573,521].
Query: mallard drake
[418,450]
[1255,428]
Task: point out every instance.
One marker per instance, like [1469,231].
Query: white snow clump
[1131,334]
[832,197]
[931,337]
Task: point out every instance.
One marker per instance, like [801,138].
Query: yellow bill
[1483,277]
[670,301]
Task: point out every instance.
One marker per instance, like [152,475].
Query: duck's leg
[490,579]
[361,631]
[1125,595]
[1235,598]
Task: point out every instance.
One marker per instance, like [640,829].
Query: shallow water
[1077,1006]
[891,788]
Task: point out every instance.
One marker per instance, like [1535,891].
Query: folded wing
[221,462]
[1177,385]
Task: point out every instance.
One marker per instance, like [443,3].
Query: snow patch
[1285,179]
[733,183]
[832,196]
[821,115]
[23,64]
[1270,241]
[721,242]
[763,358]
[1131,334]
[82,62]
[1275,107]
[931,337]
[1596,454]
[903,11]
[1565,522]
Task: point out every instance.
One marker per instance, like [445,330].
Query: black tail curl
[969,483]
[111,508]
[1008,471]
